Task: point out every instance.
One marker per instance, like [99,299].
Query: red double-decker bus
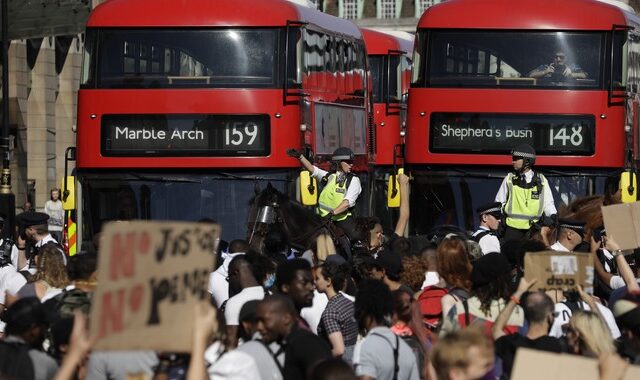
[389,59]
[489,75]
[185,108]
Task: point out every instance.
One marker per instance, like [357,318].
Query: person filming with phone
[558,70]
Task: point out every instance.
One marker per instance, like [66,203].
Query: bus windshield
[452,197]
[477,58]
[134,196]
[180,58]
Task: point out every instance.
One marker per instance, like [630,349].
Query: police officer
[34,230]
[490,216]
[525,195]
[571,235]
[341,188]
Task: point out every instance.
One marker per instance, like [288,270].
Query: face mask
[268,283]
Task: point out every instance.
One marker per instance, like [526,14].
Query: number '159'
[236,133]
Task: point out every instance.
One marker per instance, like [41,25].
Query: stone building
[44,60]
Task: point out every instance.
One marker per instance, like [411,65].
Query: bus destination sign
[185,135]
[499,133]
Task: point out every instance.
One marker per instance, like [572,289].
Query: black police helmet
[342,154]
[526,152]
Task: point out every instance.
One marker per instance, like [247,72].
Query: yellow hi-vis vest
[331,197]
[524,205]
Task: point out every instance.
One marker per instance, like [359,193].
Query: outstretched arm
[403,219]
[503,317]
[623,267]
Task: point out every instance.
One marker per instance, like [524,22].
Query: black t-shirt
[303,350]
[507,345]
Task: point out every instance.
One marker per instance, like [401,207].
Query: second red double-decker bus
[561,76]
[389,61]
[186,106]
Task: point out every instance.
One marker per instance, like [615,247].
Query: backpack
[430,306]
[15,362]
[66,303]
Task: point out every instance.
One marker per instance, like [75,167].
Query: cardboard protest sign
[559,270]
[534,365]
[150,276]
[622,222]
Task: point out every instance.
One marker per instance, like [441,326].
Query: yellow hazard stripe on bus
[71,230]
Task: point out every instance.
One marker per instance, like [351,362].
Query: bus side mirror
[629,186]
[68,196]
[393,190]
[308,189]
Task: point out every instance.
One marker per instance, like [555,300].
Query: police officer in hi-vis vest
[525,195]
[341,188]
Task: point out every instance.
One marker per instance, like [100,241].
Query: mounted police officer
[341,188]
[525,195]
[490,216]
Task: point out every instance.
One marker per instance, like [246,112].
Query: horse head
[271,209]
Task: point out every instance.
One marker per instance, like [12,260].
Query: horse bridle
[271,213]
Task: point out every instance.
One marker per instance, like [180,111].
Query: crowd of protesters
[455,307]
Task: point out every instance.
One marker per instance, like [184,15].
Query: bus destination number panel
[499,133]
[185,135]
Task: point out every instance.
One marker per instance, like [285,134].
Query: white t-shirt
[218,285]
[313,313]
[564,315]
[230,365]
[12,283]
[235,303]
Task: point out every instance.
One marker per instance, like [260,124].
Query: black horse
[271,209]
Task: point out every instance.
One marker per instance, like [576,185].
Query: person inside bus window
[341,188]
[525,196]
[559,69]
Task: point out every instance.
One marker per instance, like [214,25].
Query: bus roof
[526,14]
[213,13]
[379,43]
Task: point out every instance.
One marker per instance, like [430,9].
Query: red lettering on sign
[135,297]
[111,318]
[144,245]
[122,259]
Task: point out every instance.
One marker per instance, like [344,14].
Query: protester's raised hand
[294,153]
[611,244]
[523,286]
[403,178]
[80,342]
[205,321]
[584,296]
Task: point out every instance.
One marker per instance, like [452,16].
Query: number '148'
[563,137]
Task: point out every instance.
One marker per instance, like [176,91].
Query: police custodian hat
[31,218]
[571,224]
[494,209]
